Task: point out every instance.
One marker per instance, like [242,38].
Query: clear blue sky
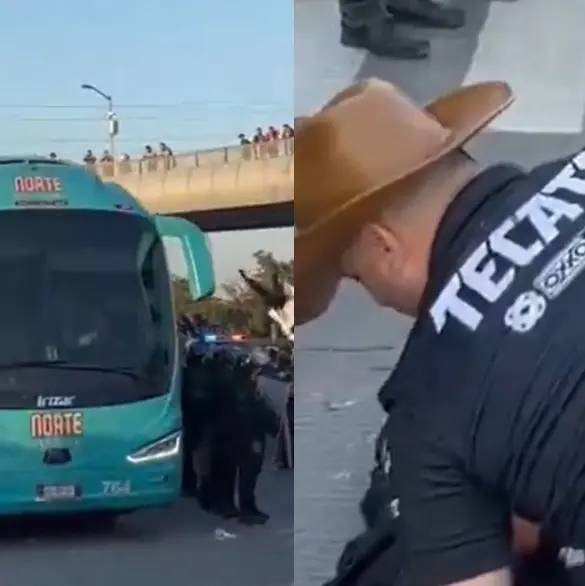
[188,72]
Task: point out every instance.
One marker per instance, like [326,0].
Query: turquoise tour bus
[90,375]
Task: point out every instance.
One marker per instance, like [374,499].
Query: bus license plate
[58,492]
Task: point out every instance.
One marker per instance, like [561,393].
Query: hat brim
[465,113]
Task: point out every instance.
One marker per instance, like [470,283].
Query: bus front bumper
[79,490]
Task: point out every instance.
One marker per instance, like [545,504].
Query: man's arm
[454,532]
[526,537]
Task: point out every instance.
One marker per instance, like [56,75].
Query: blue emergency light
[210,338]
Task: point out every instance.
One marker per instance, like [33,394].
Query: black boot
[262,514]
[425,13]
[253,516]
[226,511]
[365,26]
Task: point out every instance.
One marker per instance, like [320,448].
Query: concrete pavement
[536,45]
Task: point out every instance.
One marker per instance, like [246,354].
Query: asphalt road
[176,548]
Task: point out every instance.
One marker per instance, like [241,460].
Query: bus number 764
[116,487]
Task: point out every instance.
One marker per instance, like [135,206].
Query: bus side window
[154,278]
[149,283]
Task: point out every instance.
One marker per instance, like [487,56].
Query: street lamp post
[113,124]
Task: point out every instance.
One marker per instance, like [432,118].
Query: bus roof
[32,182]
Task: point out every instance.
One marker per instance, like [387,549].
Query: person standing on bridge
[488,397]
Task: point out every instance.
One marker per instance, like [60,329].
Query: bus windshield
[85,288]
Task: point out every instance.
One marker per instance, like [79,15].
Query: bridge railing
[218,178]
[202,159]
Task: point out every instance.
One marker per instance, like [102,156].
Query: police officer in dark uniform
[224,437]
[198,404]
[191,425]
[489,404]
[189,389]
[256,421]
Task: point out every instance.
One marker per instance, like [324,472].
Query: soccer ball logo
[525,312]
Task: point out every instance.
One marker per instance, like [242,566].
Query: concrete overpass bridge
[229,188]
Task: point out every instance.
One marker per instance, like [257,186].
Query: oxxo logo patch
[563,269]
[491,268]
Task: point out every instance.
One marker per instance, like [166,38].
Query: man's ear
[387,243]
[380,237]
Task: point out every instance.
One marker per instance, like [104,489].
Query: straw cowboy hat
[356,154]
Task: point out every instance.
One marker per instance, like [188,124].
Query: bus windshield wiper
[31,364]
[125,370]
[66,365]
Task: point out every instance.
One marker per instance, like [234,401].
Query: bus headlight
[162,449]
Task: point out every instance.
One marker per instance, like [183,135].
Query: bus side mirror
[189,255]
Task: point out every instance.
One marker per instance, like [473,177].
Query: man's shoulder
[432,373]
[510,257]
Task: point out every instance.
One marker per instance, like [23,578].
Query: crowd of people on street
[228,419]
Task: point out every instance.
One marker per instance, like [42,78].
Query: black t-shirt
[489,411]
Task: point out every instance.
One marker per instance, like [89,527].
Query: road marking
[322,66]
[537,46]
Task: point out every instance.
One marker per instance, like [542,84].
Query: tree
[267,265]
[240,310]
